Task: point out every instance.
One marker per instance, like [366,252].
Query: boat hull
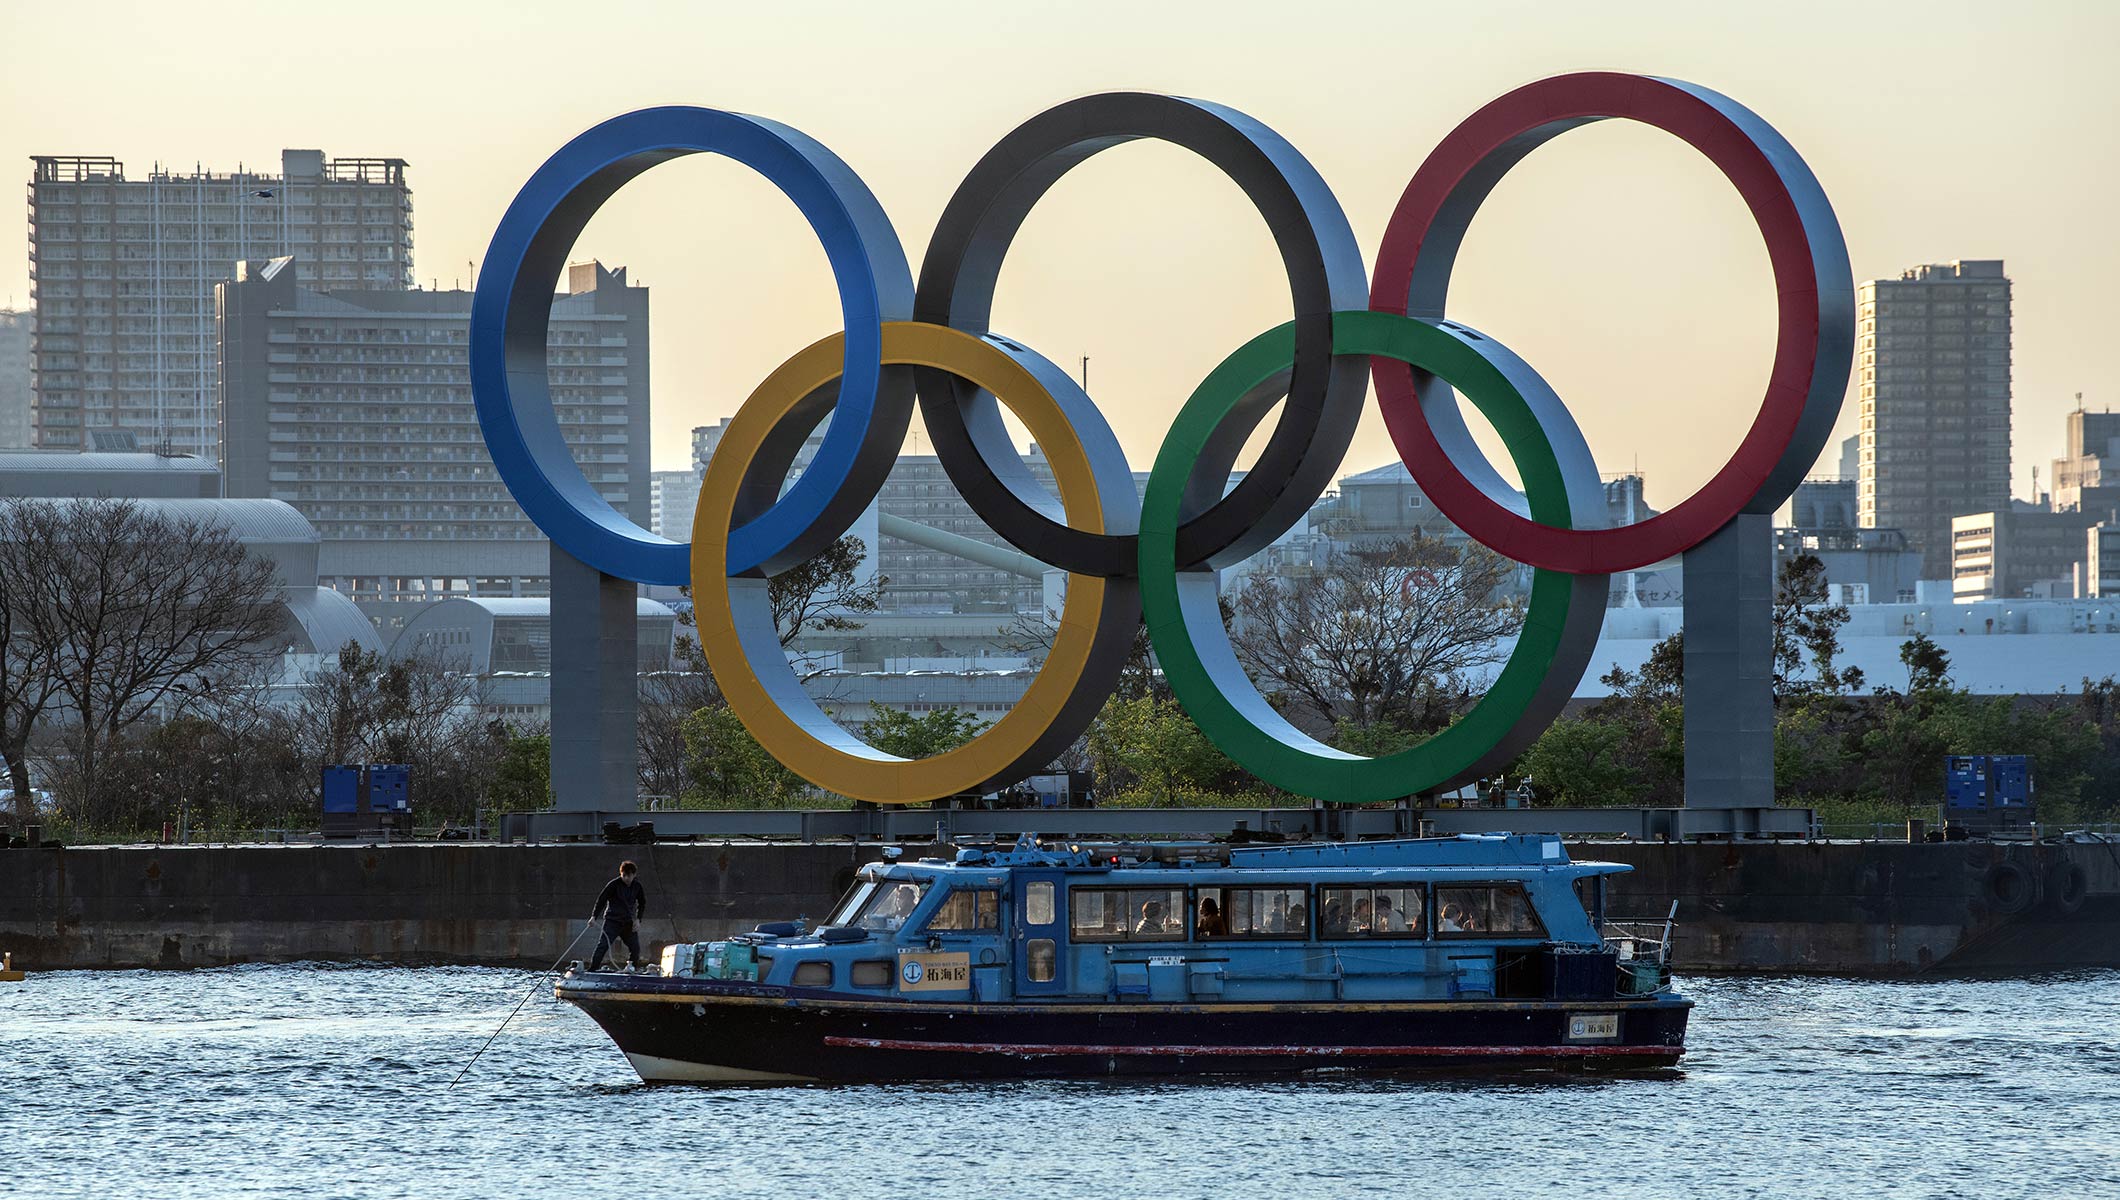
[699,1031]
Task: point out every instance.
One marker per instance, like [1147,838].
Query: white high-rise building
[15,328]
[355,407]
[674,498]
[123,271]
[1933,378]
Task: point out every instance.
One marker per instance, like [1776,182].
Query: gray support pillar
[1729,684]
[595,687]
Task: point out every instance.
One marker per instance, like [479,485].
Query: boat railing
[1644,951]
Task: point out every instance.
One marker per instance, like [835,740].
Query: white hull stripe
[654,1069]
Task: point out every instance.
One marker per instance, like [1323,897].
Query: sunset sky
[1614,260]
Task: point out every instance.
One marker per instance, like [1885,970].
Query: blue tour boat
[1478,951]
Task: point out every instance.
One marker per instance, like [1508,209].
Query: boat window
[812,974]
[1282,912]
[1392,910]
[1041,960]
[1128,914]
[1038,907]
[889,905]
[1486,910]
[844,914]
[871,972]
[966,909]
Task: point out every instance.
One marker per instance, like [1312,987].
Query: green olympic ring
[1193,646]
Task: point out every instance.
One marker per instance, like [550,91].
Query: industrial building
[1933,381]
[123,273]
[63,474]
[355,407]
[507,645]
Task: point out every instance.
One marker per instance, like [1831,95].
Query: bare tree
[29,681]
[151,610]
[824,593]
[139,612]
[1380,635]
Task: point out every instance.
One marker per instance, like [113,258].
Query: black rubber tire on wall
[2067,886]
[2010,888]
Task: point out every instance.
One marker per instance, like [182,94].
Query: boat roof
[1481,855]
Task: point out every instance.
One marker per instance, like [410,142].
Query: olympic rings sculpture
[1155,558]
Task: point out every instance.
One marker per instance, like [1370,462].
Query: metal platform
[923,824]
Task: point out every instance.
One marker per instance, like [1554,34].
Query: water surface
[325,1081]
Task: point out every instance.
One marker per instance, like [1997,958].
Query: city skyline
[1615,261]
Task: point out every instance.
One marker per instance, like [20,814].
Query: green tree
[1146,750]
[1806,627]
[727,768]
[895,731]
[1583,763]
[1928,667]
[522,775]
[1647,710]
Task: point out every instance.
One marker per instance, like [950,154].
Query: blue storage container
[390,789]
[2010,780]
[342,789]
[1965,781]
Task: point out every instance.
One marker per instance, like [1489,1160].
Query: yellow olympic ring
[742,642]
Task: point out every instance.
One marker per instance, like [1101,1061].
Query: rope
[586,927]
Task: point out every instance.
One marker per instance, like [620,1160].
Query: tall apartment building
[1933,373]
[355,407]
[123,272]
[15,333]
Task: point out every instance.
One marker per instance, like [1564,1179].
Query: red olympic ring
[1815,300]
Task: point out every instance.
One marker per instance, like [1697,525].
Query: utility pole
[1085,377]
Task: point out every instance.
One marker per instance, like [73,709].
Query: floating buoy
[8,973]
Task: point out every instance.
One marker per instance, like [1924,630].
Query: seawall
[1743,906]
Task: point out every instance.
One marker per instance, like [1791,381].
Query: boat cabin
[1492,917]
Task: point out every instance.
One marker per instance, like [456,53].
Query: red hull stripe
[1043,1050]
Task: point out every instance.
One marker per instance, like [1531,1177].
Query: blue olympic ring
[513,305]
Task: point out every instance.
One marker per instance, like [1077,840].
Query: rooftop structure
[123,271]
[2087,478]
[507,644]
[57,474]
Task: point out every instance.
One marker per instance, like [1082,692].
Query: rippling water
[333,1081]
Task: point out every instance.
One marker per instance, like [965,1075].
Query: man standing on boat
[622,905]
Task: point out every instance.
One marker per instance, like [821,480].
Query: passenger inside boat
[1152,918]
[1384,920]
[1211,922]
